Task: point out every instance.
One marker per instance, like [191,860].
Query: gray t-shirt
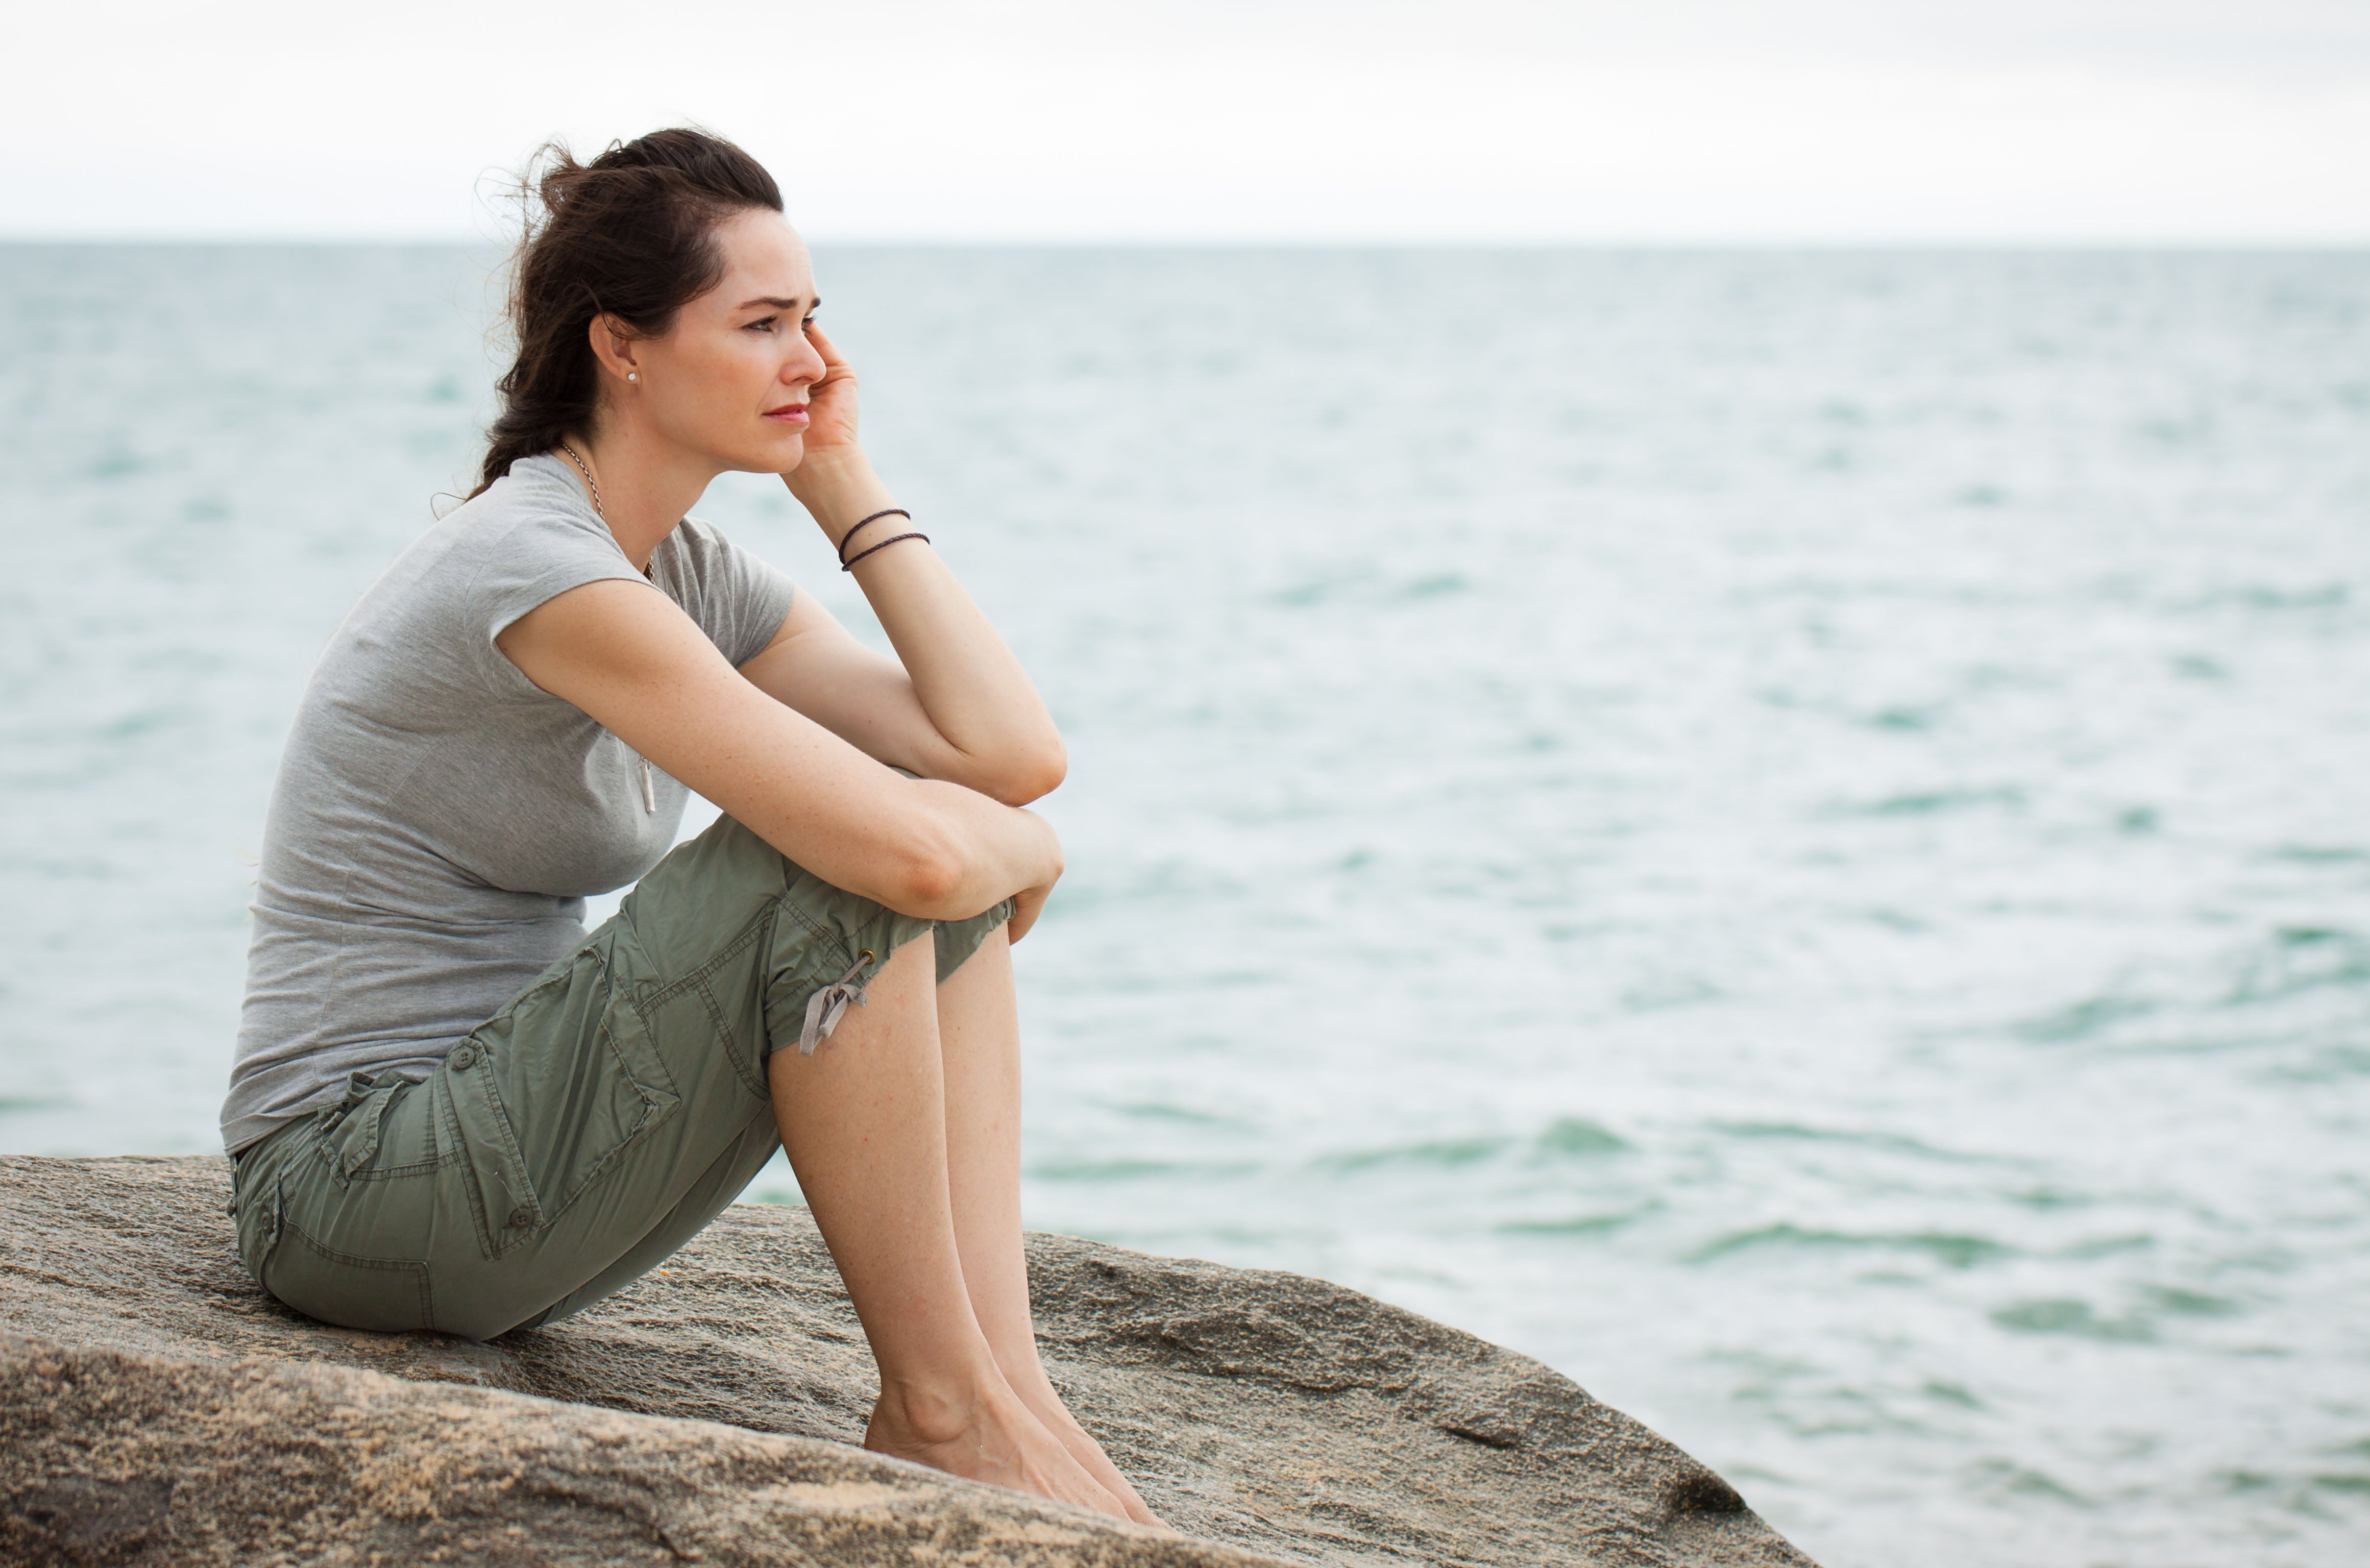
[438,818]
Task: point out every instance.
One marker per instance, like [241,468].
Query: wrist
[837,486]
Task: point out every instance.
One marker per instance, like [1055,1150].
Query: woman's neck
[645,485]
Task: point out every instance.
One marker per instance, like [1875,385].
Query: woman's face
[729,380]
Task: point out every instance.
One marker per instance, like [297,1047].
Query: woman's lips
[788,413]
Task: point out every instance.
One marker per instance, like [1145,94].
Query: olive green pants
[581,1135]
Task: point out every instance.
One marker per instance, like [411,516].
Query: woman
[451,1108]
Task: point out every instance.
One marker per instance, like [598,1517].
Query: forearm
[972,690]
[636,664]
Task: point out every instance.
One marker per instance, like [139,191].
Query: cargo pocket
[349,1136]
[626,1092]
[500,1195]
[552,1095]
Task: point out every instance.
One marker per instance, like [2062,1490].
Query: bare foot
[1037,1391]
[993,1437]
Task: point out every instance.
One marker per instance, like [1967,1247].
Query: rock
[120,1459]
[156,1407]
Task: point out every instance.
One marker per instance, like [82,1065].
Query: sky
[1650,122]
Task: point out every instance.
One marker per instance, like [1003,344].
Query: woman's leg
[864,1120]
[979,1034]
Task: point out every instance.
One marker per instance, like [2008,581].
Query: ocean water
[1783,832]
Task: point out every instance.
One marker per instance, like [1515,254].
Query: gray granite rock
[156,1407]
[111,1458]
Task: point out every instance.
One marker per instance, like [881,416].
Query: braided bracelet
[885,512]
[849,564]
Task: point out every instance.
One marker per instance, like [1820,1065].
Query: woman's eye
[766,325]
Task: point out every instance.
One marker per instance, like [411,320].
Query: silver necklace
[590,482]
[649,791]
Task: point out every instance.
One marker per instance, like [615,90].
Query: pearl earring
[633,375]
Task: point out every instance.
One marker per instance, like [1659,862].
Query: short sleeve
[737,596]
[536,558]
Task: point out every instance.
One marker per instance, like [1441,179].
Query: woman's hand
[832,480]
[1027,905]
[831,402]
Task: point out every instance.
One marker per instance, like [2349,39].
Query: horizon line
[1638,242]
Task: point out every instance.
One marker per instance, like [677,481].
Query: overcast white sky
[1690,120]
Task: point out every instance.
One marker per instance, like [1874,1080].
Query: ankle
[939,1409]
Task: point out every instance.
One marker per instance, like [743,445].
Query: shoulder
[521,526]
[529,535]
[535,505]
[700,556]
[700,544]
[738,597]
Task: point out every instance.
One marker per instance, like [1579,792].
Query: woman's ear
[612,345]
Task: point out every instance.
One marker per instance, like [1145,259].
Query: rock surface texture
[157,1408]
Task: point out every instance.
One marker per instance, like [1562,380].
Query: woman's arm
[627,655]
[954,704]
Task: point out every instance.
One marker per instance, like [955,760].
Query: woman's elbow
[1031,775]
[929,882]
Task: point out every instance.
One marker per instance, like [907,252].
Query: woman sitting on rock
[455,1110]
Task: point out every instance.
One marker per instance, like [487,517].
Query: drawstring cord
[824,1007]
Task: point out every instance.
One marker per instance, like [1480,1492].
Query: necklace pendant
[649,792]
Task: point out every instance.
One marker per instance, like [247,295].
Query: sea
[1784,832]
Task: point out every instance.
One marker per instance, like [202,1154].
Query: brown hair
[632,235]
